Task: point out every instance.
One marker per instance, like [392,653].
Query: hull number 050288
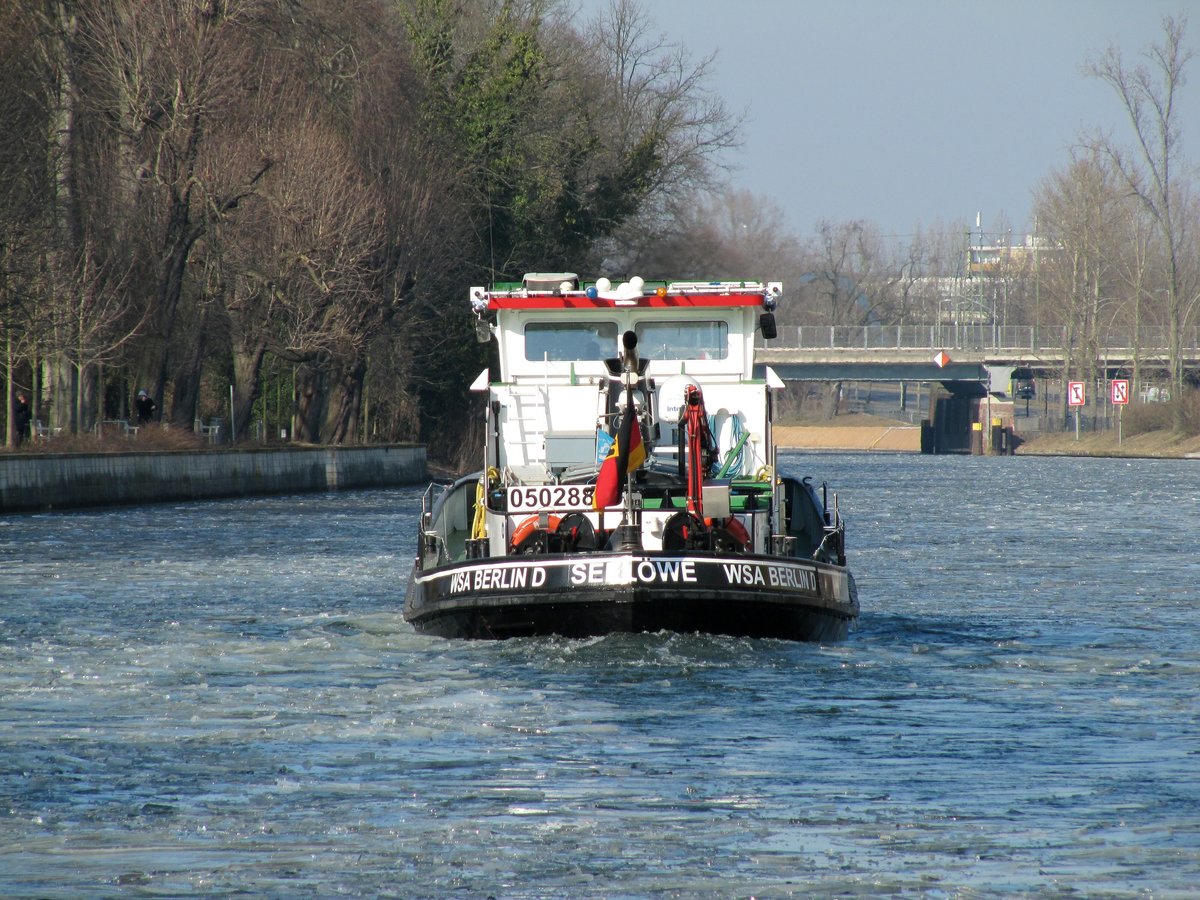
[550,497]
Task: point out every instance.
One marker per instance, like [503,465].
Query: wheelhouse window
[562,341]
[683,340]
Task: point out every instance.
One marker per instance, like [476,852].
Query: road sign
[1075,393]
[1120,391]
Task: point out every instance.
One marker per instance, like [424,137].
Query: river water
[221,698]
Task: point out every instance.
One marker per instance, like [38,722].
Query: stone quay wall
[58,481]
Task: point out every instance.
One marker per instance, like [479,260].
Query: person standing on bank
[146,407]
[21,418]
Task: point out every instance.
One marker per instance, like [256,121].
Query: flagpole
[631,527]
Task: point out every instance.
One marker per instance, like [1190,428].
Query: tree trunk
[154,370]
[10,393]
[1175,357]
[247,365]
[62,394]
[311,398]
[344,405]
[833,402]
[185,379]
[1136,340]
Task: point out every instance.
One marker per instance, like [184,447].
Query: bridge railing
[948,335]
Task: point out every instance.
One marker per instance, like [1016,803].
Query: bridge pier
[964,418]
[965,398]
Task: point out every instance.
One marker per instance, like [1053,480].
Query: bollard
[997,437]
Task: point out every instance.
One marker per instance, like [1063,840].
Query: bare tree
[842,259]
[665,135]
[657,94]
[729,233]
[1148,92]
[1082,209]
[25,181]
[94,322]
[32,153]
[1136,273]
[168,72]
[296,267]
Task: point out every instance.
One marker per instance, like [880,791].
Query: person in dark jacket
[21,418]
[146,407]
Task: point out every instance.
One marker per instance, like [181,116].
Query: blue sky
[914,112]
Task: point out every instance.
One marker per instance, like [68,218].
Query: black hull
[796,600]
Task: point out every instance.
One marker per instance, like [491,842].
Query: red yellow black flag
[626,455]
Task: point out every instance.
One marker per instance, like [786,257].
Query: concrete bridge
[972,352]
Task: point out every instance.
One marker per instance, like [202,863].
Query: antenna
[491,240]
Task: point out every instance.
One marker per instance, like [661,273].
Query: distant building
[1005,258]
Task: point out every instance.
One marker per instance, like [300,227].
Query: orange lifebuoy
[528,527]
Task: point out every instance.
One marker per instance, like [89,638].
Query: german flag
[626,455]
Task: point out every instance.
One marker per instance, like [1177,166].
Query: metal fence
[1045,413]
[967,337]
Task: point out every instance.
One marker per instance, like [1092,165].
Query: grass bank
[1162,443]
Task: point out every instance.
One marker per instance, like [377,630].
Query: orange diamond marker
[942,359]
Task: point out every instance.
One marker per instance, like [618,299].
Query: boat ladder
[532,418]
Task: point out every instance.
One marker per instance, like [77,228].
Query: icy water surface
[222,699]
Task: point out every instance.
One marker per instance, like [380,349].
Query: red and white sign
[1120,391]
[942,359]
[1075,393]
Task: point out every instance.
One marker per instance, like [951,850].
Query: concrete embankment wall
[55,481]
